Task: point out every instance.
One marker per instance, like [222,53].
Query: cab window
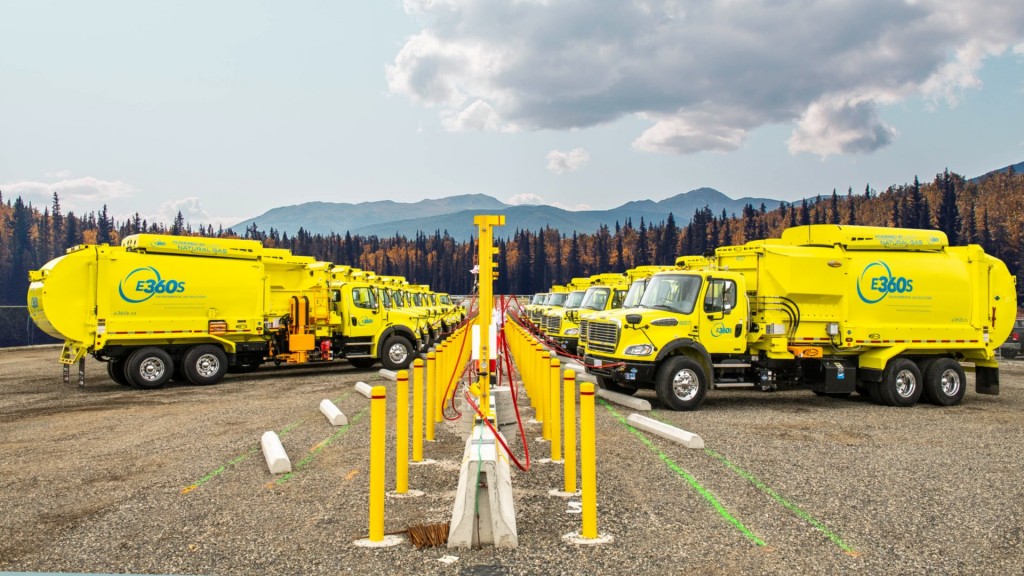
[720,297]
[364,297]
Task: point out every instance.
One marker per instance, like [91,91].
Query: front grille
[552,324]
[602,336]
[583,331]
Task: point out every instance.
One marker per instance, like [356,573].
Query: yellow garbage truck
[894,314]
[161,306]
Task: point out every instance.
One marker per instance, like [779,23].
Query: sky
[224,110]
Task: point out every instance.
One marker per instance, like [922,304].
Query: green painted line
[672,465]
[802,514]
[316,449]
[785,503]
[236,460]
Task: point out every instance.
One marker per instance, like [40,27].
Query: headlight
[572,332]
[639,350]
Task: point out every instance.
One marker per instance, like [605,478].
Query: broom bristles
[428,535]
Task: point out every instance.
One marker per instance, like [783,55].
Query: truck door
[723,317]
[363,317]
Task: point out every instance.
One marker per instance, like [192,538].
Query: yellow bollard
[417,409]
[402,432]
[378,413]
[431,370]
[556,430]
[588,461]
[440,382]
[569,401]
[545,388]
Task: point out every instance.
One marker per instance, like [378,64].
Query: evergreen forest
[989,212]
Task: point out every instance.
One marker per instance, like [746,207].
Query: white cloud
[562,162]
[840,127]
[526,199]
[704,74]
[530,199]
[85,193]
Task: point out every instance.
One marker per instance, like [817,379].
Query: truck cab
[688,320]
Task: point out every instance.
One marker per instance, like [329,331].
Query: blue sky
[224,110]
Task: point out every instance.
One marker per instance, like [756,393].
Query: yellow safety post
[417,409]
[588,460]
[431,370]
[556,430]
[441,380]
[378,413]
[569,401]
[402,432]
[545,388]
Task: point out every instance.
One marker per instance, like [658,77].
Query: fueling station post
[484,510]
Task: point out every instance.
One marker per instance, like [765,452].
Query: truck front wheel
[681,384]
[205,364]
[149,368]
[397,353]
[901,383]
[944,381]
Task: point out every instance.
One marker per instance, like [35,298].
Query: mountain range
[454,214]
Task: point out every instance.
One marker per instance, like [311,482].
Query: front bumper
[632,373]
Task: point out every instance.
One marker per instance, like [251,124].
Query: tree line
[989,212]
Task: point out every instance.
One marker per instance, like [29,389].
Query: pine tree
[57,229]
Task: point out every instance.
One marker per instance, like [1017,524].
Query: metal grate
[553,324]
[602,336]
[583,331]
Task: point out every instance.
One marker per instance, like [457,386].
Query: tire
[613,386]
[362,363]
[115,369]
[149,368]
[901,383]
[1010,354]
[205,364]
[681,384]
[944,382]
[397,353]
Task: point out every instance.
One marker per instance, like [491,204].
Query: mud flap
[986,380]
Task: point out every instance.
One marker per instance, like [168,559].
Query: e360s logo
[876,282]
[142,284]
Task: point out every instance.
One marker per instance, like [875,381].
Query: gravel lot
[110,479]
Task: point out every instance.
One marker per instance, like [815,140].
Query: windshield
[673,292]
[385,298]
[538,298]
[556,299]
[575,299]
[596,298]
[635,293]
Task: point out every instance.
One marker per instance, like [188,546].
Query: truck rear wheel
[397,353]
[115,369]
[901,383]
[681,384]
[944,382]
[612,386]
[149,368]
[205,364]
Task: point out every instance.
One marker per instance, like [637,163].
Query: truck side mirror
[633,318]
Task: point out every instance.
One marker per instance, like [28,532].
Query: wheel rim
[906,383]
[207,365]
[685,385]
[152,369]
[950,383]
[398,353]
